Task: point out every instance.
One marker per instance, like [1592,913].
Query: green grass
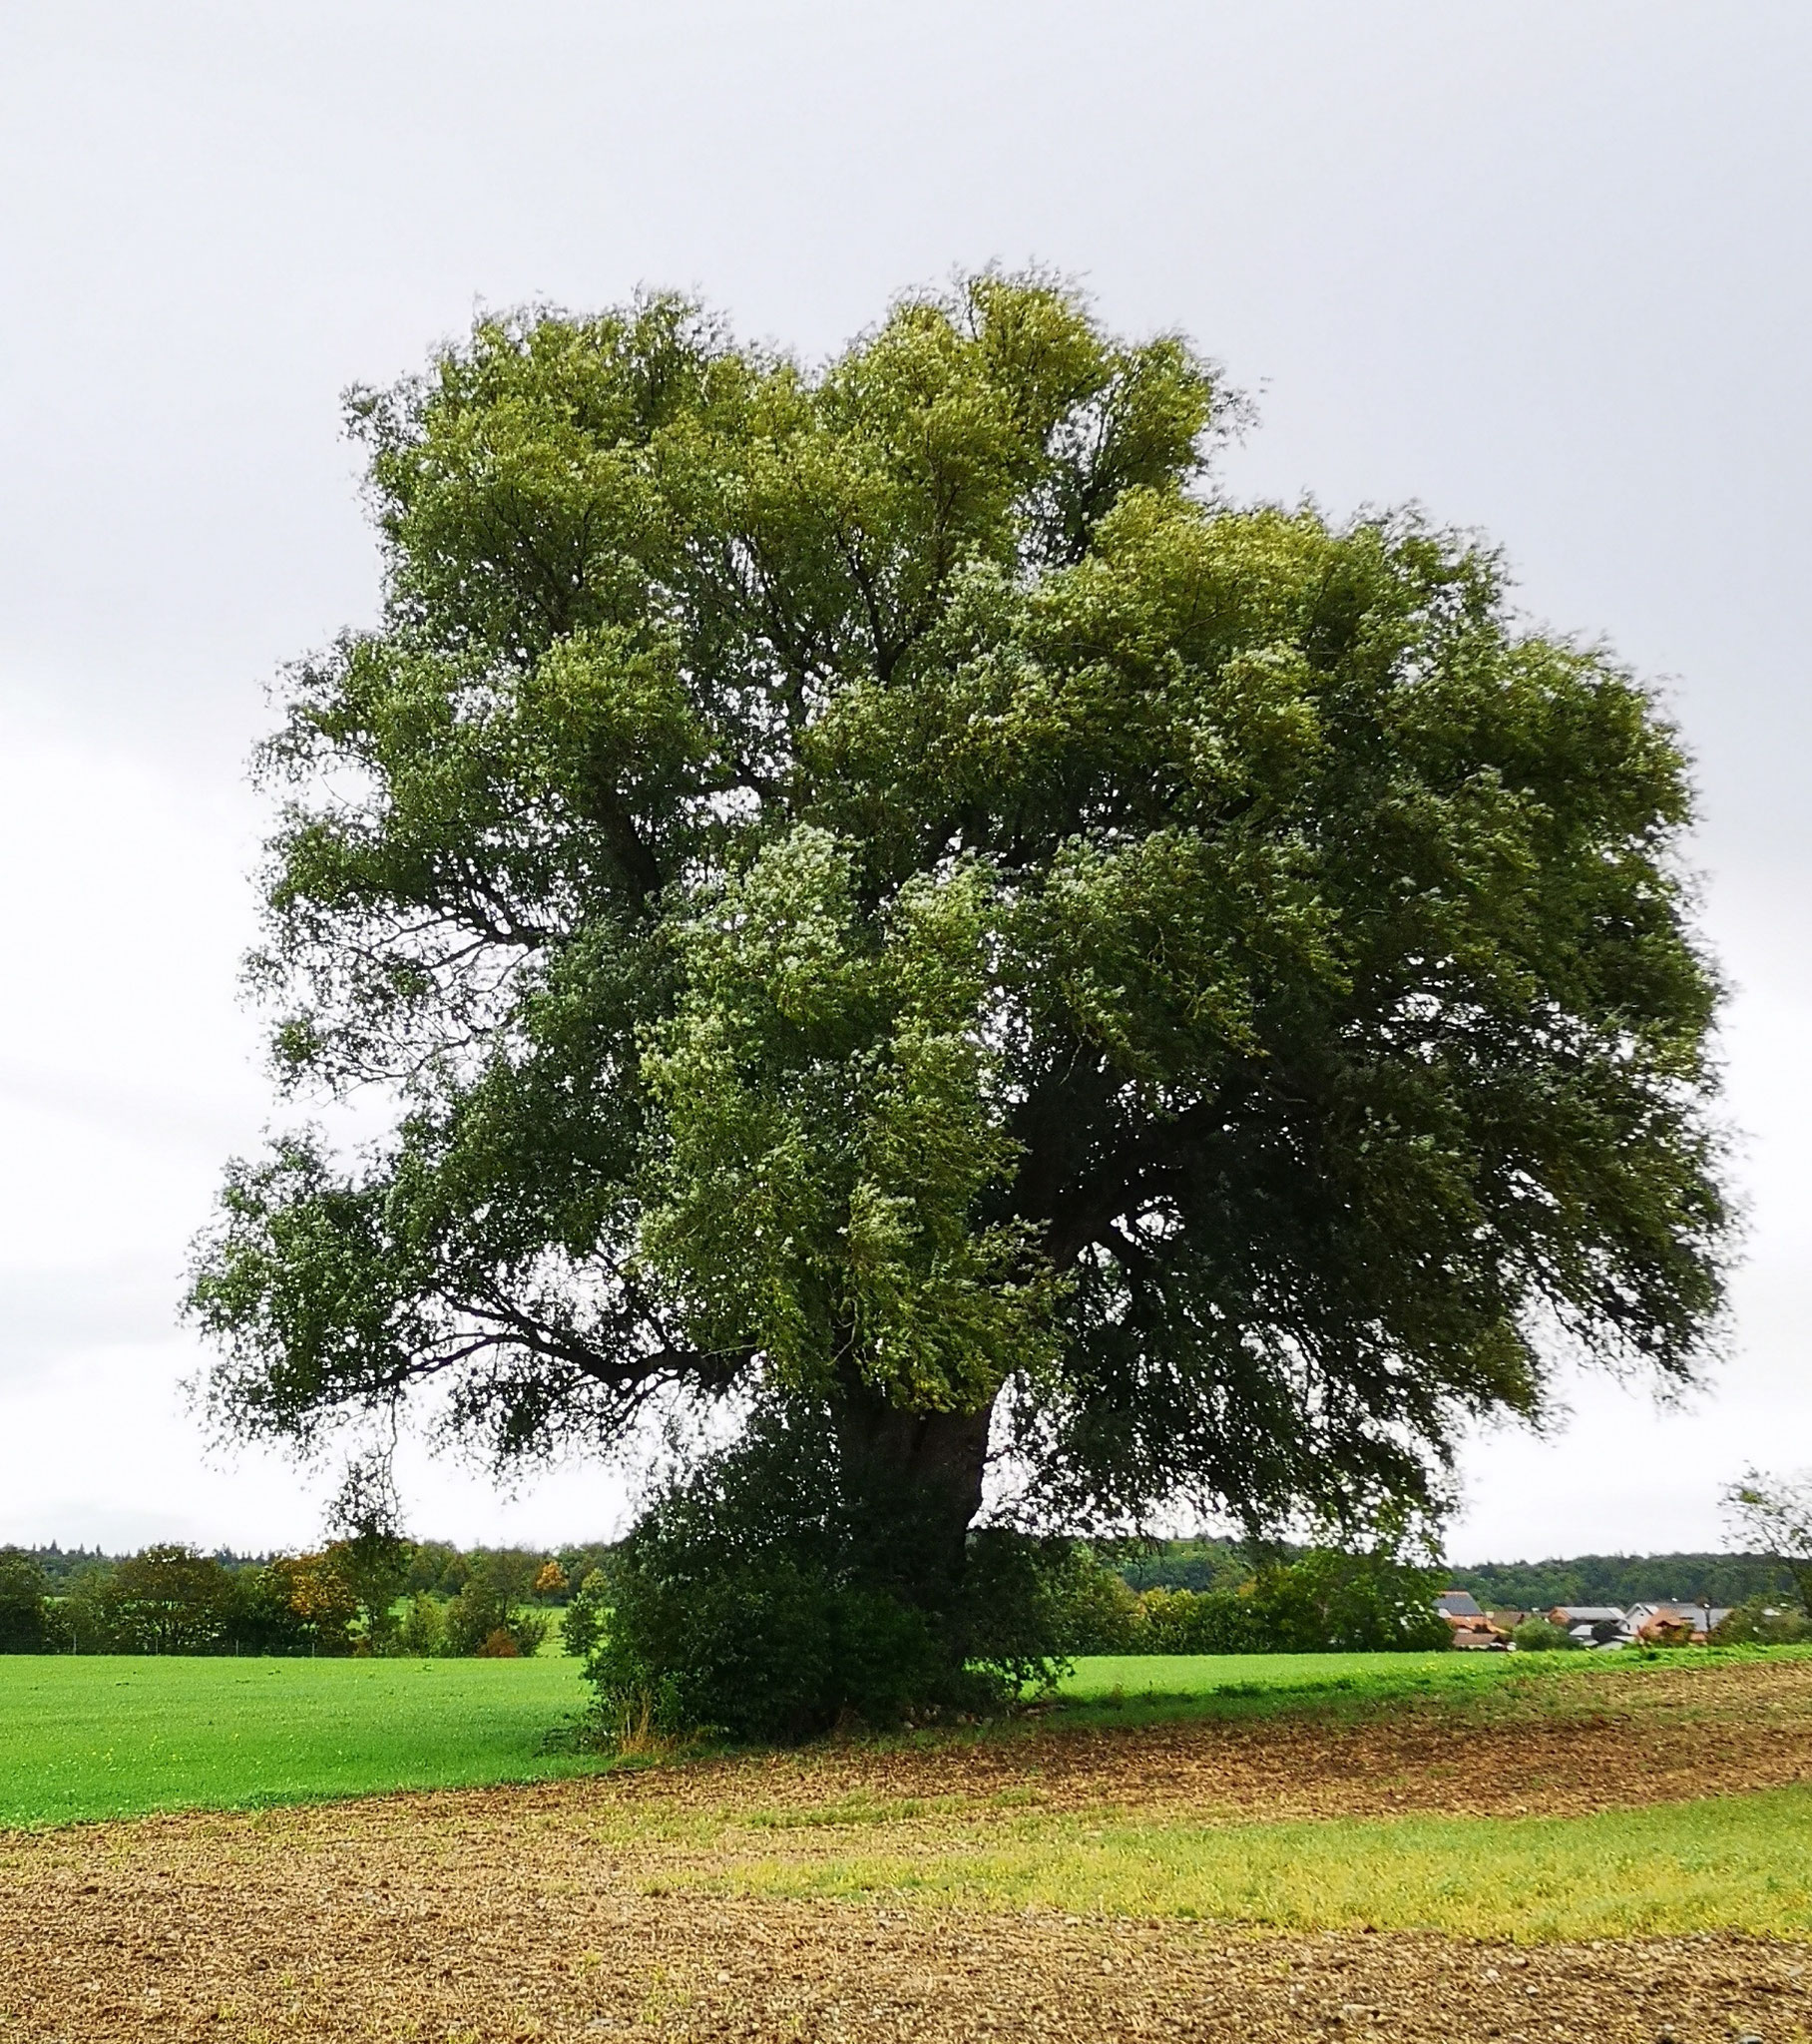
[88,1737]
[1137,1688]
[1732,1864]
[1128,1678]
[101,1735]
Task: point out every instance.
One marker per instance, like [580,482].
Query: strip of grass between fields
[1741,1862]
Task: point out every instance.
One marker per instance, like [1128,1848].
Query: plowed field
[715,1901]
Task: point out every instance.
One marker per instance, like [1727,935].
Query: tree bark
[936,1459]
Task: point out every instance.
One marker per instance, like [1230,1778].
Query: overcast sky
[1544,268]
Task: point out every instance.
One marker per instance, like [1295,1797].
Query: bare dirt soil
[536,1912]
[1554,1745]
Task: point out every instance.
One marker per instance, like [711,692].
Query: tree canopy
[872,884]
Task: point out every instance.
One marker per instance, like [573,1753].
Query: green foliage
[1197,1622]
[587,1613]
[1203,1563]
[491,1608]
[60,1565]
[167,1599]
[875,888]
[436,1568]
[1760,1623]
[260,1616]
[1101,1613]
[370,1557]
[1349,1603]
[371,1593]
[1621,1580]
[23,1608]
[423,1631]
[1323,1601]
[1539,1636]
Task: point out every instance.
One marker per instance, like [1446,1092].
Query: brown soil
[518,1913]
[1551,1746]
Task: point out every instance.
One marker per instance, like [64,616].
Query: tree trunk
[934,1462]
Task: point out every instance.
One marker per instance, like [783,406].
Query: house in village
[1674,1624]
[1471,1627]
[1592,1624]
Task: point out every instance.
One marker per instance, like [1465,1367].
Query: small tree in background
[1774,1514]
[167,1599]
[1758,1622]
[581,1626]
[1329,1600]
[424,1627]
[319,1598]
[492,1608]
[371,1554]
[24,1611]
[1541,1636]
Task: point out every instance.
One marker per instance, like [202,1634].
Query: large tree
[873,885]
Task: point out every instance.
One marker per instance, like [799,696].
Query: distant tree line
[367,1594]
[1625,1579]
[1206,1563]
[377,1594]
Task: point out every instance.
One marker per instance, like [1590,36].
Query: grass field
[1192,1675]
[90,1736]
[86,1736]
[1150,1687]
[103,1736]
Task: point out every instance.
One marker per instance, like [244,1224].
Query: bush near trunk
[784,1585]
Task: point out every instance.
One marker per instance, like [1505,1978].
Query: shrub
[770,1649]
[1757,1623]
[485,1607]
[582,1624]
[771,1593]
[1538,1635]
[1100,1612]
[423,1633]
[1204,1621]
[1328,1600]
[529,1629]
